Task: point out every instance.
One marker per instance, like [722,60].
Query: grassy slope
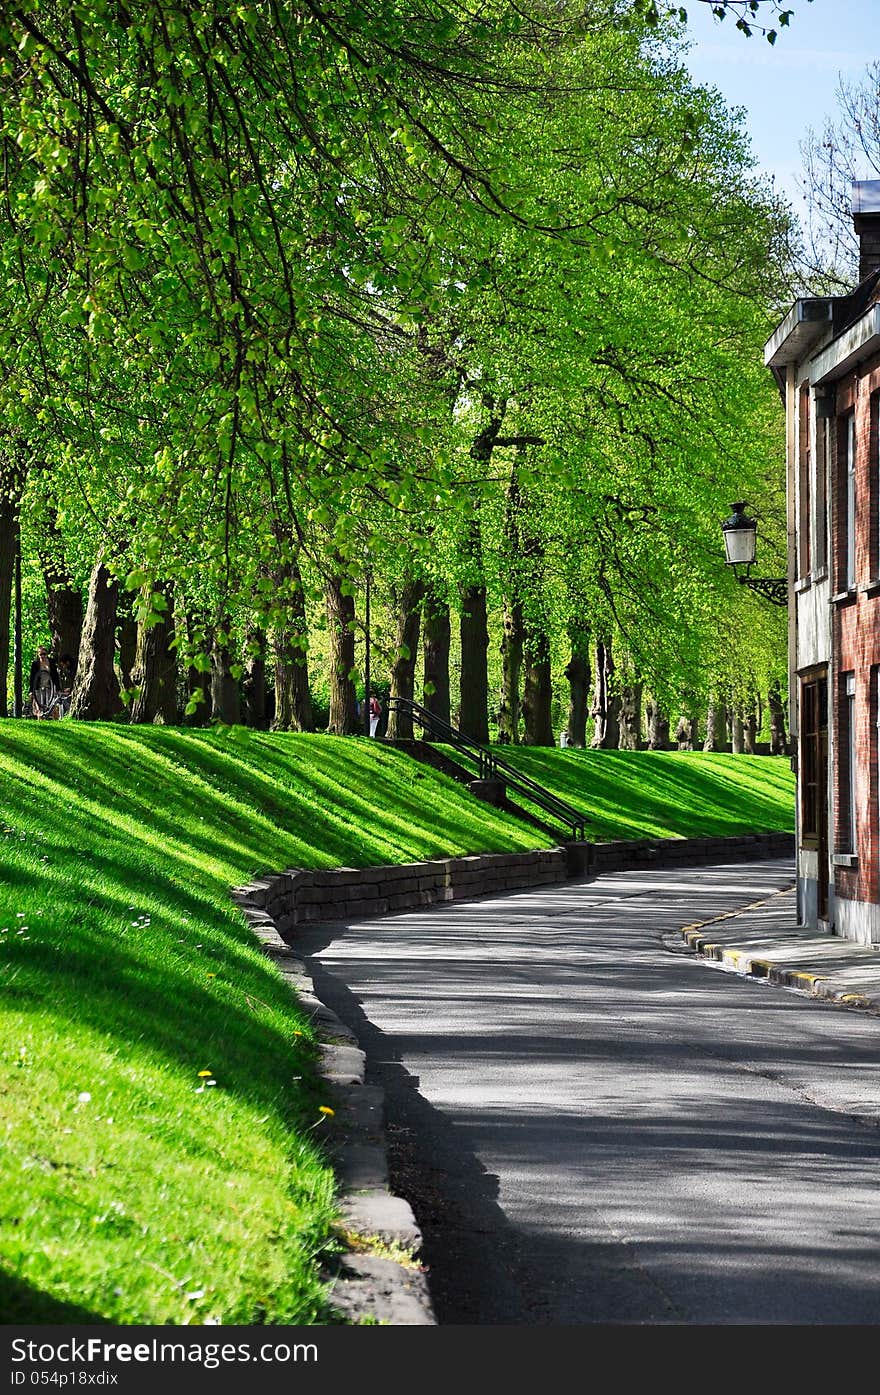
[666,794]
[126,972]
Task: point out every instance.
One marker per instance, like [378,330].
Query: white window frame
[850,690]
[851,502]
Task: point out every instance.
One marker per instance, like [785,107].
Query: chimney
[866,219]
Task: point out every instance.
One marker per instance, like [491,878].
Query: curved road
[593,1128]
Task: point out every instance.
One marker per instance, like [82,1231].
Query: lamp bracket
[773,589]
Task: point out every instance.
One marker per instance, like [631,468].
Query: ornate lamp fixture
[739,545]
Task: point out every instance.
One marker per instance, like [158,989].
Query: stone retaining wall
[298,896]
[664,852]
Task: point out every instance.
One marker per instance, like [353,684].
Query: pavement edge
[379,1279]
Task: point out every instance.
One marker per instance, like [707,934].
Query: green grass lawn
[665,794]
[131,1190]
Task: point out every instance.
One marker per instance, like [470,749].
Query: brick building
[825,356]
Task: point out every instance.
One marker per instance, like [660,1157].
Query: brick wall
[282,901]
[857,627]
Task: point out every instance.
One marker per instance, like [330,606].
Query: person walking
[375,714]
[45,685]
[66,675]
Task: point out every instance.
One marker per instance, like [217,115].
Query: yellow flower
[205,1073]
[325,1109]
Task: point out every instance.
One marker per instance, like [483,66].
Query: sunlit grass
[665,794]
[131,1190]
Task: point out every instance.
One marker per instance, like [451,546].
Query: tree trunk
[225,695]
[155,669]
[126,646]
[537,689]
[750,730]
[577,672]
[631,717]
[684,738]
[435,658]
[473,708]
[198,670]
[96,687]
[658,727]
[473,717]
[715,719]
[511,670]
[512,625]
[735,723]
[606,703]
[778,737]
[403,669]
[255,680]
[290,648]
[8,551]
[63,598]
[340,624]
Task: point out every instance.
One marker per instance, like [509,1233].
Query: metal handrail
[491,765]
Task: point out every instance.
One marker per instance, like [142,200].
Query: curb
[379,1279]
[757,966]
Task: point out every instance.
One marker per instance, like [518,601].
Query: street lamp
[740,533]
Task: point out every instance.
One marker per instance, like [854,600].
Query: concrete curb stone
[385,1288]
[763,941]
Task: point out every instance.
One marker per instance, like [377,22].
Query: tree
[827,258]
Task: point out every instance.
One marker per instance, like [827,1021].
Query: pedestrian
[375,714]
[66,675]
[45,685]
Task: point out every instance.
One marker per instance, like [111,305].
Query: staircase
[483,768]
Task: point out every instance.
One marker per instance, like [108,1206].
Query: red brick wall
[857,621]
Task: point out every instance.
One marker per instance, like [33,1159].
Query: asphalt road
[592,1128]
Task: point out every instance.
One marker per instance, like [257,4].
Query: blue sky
[787,87]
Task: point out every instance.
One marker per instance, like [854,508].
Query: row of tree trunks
[630,738]
[293,699]
[473,716]
[63,598]
[512,624]
[154,676]
[436,642]
[509,707]
[606,701]
[537,688]
[408,607]
[687,734]
[658,726]
[778,738]
[225,695]
[578,673]
[9,501]
[255,689]
[340,625]
[96,687]
[147,662]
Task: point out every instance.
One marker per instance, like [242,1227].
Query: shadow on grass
[23,1304]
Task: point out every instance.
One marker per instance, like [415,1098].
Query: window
[846,833]
[874,485]
[850,505]
[804,482]
[820,509]
[814,721]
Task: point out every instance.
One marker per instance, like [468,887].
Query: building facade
[825,356]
